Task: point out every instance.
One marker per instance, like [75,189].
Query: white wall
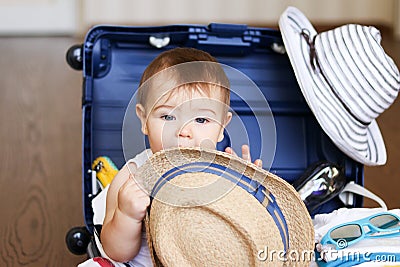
[64,16]
[41,17]
[253,12]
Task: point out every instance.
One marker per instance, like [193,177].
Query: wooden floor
[40,158]
[40,155]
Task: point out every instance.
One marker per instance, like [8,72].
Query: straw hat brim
[197,234]
[322,101]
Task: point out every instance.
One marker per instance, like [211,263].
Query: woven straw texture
[199,219]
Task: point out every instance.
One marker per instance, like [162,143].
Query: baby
[183,101]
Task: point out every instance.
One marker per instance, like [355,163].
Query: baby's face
[180,120]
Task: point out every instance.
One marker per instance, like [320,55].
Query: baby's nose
[186,131]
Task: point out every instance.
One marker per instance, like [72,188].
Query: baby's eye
[201,120]
[168,117]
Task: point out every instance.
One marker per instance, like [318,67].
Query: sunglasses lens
[348,232]
[385,221]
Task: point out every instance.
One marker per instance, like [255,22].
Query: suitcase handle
[236,37]
[227,29]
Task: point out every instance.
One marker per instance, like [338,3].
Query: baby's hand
[245,154]
[132,200]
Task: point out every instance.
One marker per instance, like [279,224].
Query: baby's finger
[134,185]
[146,201]
[258,162]
[246,153]
[131,181]
[229,150]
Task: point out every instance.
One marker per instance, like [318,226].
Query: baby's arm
[125,209]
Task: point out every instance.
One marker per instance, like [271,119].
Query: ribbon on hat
[313,55]
[256,189]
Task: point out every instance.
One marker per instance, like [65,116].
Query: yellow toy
[105,170]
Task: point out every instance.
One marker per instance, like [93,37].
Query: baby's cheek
[168,139]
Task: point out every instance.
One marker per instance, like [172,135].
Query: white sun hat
[347,80]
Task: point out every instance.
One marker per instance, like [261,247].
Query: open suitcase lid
[114,58]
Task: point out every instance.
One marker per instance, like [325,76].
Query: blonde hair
[212,76]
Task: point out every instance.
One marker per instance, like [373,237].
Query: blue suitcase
[113,59]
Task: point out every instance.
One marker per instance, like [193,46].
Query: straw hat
[210,208]
[347,80]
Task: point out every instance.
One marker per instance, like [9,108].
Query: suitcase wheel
[78,239]
[74,57]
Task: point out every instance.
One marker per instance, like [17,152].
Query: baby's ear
[227,118]
[141,113]
[226,121]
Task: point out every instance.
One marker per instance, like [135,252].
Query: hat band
[314,61]
[256,189]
